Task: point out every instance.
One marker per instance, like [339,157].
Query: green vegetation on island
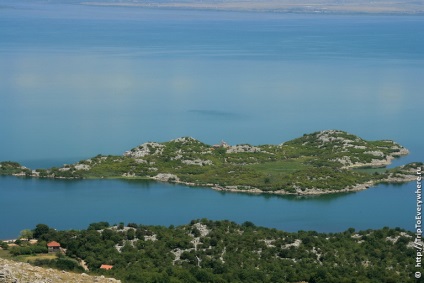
[321,162]
[223,251]
[14,168]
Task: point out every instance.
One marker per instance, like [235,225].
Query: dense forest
[223,251]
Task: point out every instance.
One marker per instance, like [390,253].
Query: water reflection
[299,198]
[76,203]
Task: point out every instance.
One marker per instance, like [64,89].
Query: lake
[81,80]
[75,204]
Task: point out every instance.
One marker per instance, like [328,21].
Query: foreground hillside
[317,163]
[19,272]
[223,251]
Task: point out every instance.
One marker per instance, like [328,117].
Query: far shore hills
[279,6]
[324,162]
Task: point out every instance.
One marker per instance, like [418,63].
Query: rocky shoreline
[170,178]
[315,192]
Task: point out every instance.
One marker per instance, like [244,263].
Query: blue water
[76,204]
[76,81]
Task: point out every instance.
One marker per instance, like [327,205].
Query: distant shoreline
[329,7]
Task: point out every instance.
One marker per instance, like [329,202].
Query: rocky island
[330,161]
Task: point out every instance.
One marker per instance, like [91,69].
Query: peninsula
[330,161]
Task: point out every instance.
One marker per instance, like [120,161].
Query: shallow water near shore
[77,81]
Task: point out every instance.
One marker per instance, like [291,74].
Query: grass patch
[27,258]
[281,167]
[5,254]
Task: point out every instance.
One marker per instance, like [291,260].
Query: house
[106,267]
[222,144]
[53,247]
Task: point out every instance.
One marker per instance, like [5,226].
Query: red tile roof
[53,244]
[106,266]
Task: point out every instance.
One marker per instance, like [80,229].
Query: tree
[130,234]
[40,230]
[98,225]
[196,232]
[26,234]
[4,245]
[248,224]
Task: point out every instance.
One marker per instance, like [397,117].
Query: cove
[73,204]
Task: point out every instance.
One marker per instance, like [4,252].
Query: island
[330,161]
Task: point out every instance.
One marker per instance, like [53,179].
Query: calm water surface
[76,81]
[75,204]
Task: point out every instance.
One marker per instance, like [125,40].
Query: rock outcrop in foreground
[19,272]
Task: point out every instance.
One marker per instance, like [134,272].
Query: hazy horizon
[288,6]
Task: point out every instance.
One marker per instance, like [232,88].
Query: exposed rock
[237,190]
[318,254]
[374,162]
[204,231]
[375,153]
[166,177]
[140,161]
[197,162]
[359,147]
[269,243]
[242,148]
[392,239]
[82,167]
[222,254]
[295,244]
[177,253]
[345,160]
[185,140]
[178,156]
[149,148]
[152,238]
[6,275]
[19,272]
[331,135]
